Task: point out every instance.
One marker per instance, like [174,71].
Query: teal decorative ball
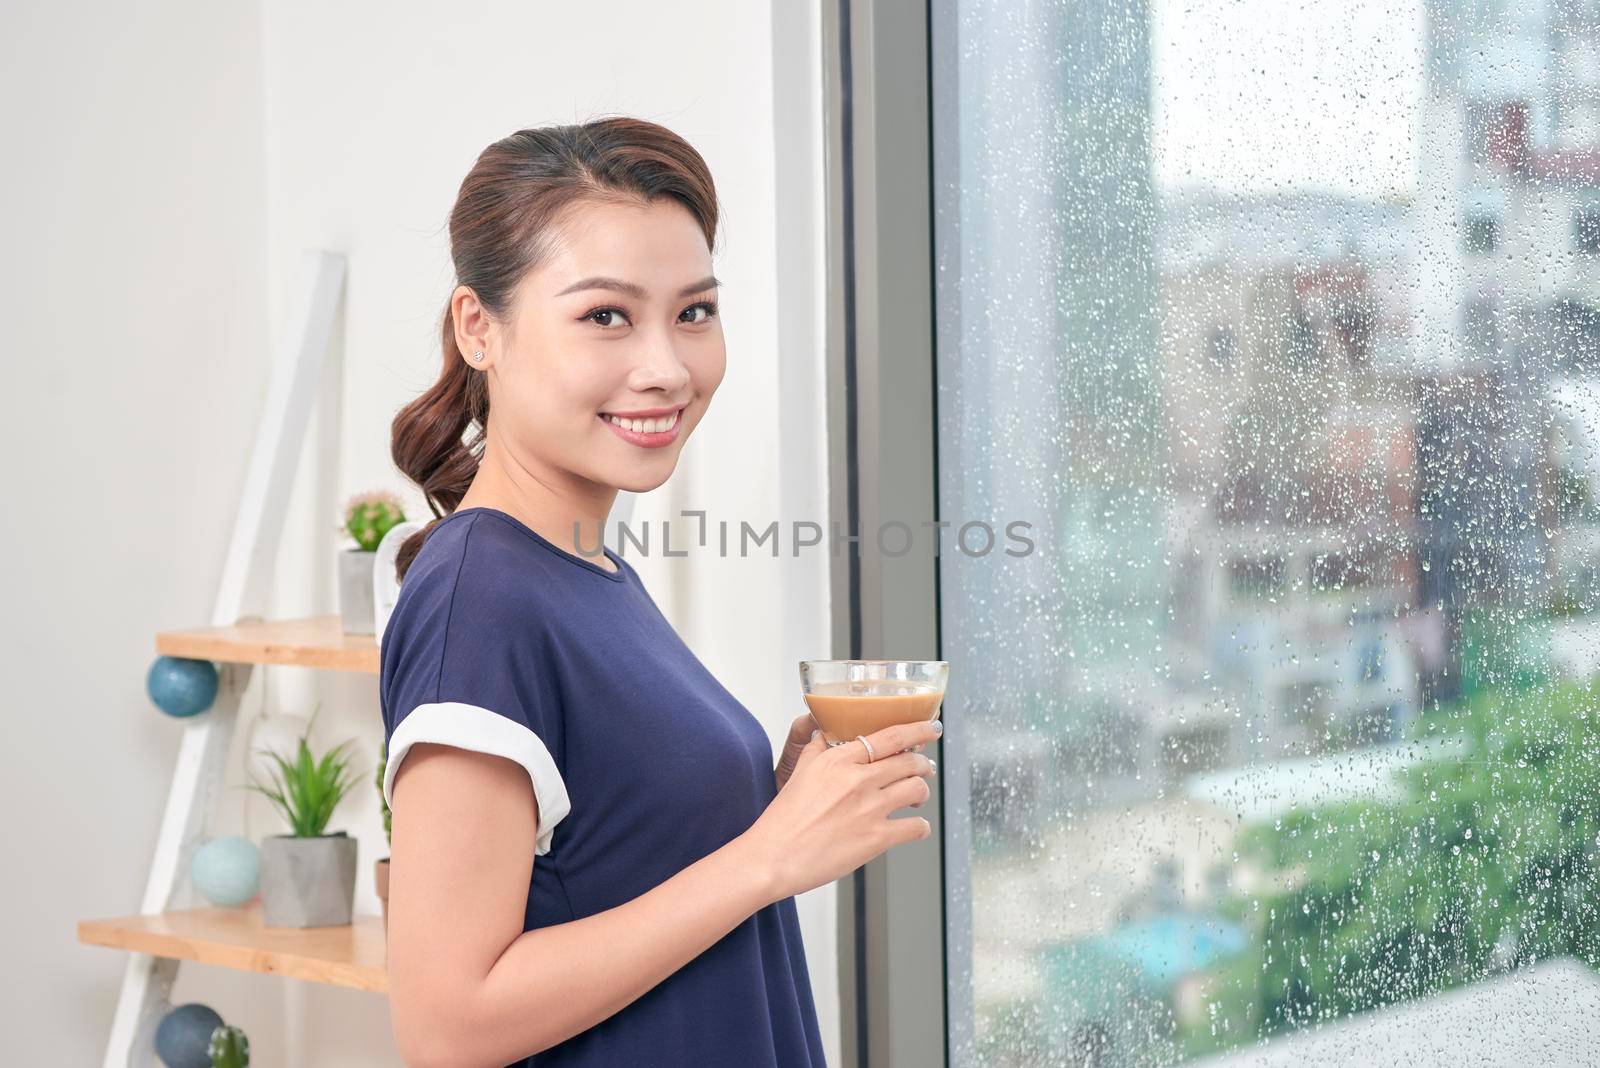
[226,871]
[181,687]
[183,1038]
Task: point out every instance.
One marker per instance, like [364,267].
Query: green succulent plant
[307,790]
[369,516]
[229,1048]
[383,759]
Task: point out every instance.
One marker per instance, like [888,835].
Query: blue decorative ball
[182,687]
[183,1038]
[226,871]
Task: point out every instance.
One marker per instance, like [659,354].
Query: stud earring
[477,354]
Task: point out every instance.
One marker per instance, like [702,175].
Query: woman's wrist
[756,867]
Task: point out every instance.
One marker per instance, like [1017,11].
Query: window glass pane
[1278,325]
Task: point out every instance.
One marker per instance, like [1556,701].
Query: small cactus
[368,517]
[229,1048]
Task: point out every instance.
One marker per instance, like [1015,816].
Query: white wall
[167,171]
[132,282]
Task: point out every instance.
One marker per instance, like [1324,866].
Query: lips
[650,432]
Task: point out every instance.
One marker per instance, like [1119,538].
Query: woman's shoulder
[469,574]
[439,565]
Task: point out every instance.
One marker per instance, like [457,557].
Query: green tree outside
[1489,863]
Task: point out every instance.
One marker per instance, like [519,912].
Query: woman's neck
[562,515]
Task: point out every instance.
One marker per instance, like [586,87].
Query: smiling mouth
[656,424]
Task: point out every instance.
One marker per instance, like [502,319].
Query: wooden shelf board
[315,642]
[353,955]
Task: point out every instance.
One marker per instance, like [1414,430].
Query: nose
[658,367]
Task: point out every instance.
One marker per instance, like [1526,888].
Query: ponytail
[426,439]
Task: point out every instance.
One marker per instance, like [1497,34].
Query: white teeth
[645,426]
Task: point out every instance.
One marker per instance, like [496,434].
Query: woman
[594,858]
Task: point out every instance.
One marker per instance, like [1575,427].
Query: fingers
[813,748]
[854,750]
[908,829]
[800,730]
[901,736]
[900,766]
[906,793]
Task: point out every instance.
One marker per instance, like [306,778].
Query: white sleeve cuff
[482,730]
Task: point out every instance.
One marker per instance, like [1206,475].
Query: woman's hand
[833,813]
[800,732]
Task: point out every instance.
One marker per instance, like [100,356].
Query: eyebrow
[635,291]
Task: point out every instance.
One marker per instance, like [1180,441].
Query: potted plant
[229,1048]
[367,518]
[381,872]
[308,877]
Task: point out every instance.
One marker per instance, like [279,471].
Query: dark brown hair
[500,228]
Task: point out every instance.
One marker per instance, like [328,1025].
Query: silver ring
[871,756]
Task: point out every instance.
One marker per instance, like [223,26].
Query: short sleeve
[461,666]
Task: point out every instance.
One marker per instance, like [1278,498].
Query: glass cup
[851,697]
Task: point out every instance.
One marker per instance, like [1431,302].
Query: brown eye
[611,313]
[706,306]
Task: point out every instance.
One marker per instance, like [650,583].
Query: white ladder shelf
[231,936]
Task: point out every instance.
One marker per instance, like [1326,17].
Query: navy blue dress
[642,763]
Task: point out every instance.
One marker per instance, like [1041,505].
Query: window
[1480,328]
[1481,234]
[1257,577]
[1586,230]
[1221,349]
[1285,735]
[1573,332]
[1302,345]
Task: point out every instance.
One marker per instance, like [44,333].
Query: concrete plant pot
[355,591]
[381,880]
[308,882]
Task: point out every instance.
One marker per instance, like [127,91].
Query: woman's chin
[644,477]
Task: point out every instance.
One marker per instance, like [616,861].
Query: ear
[472,326]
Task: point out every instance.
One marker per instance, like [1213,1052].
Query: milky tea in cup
[851,697]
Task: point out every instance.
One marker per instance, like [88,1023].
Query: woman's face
[614,347]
